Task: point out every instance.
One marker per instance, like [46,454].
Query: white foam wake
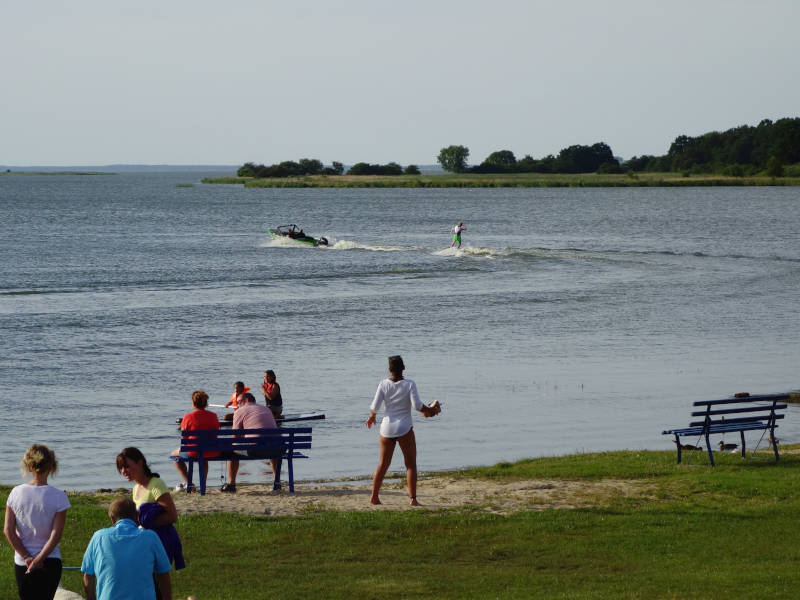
[471,251]
[347,245]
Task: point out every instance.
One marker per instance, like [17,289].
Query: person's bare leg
[387,450]
[233,470]
[408,444]
[181,467]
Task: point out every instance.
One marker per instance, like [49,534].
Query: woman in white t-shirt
[398,395]
[35,517]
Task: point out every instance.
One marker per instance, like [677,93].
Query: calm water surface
[570,320]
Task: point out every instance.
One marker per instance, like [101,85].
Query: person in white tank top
[397,395]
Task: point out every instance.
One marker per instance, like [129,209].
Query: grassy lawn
[473,180]
[689,532]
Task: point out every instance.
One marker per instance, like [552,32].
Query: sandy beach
[435,492]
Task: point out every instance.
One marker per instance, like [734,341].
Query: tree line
[574,159]
[739,151]
[744,150]
[313,166]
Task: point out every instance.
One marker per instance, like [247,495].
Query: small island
[766,154]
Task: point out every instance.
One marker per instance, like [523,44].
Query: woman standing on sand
[398,395]
[35,517]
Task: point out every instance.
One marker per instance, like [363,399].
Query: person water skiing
[456,231]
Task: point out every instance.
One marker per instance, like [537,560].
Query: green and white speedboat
[293,232]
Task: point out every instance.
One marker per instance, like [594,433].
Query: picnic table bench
[740,413]
[284,443]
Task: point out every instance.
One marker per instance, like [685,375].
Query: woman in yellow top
[148,487]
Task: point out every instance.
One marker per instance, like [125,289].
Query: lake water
[571,320]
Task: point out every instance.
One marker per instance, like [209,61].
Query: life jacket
[234,396]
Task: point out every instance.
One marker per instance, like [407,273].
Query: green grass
[472,180]
[689,531]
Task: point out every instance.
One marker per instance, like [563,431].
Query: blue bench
[284,443]
[741,413]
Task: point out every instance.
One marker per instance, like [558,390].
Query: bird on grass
[690,447]
[723,446]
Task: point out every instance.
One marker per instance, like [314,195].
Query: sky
[100,82]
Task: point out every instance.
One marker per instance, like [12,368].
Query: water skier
[456,231]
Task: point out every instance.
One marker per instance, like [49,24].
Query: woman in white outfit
[397,395]
[35,517]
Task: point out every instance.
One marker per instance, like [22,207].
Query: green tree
[412,170]
[453,158]
[247,170]
[584,159]
[774,167]
[310,166]
[501,158]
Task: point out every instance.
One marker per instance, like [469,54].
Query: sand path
[435,492]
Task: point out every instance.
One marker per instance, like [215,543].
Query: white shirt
[398,398]
[35,507]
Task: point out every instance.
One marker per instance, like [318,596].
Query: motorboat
[293,232]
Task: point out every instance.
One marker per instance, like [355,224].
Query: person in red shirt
[199,418]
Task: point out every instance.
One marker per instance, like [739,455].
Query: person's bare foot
[414,502]
[374,500]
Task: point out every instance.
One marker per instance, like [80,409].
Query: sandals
[228,487]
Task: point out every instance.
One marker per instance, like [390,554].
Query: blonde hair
[199,399]
[39,459]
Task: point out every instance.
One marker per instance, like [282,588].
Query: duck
[723,446]
[690,447]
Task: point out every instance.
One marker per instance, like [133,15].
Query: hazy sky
[195,82]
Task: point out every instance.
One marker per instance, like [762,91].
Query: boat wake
[285,243]
[467,252]
[346,245]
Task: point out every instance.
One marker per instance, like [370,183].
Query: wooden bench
[283,443]
[738,414]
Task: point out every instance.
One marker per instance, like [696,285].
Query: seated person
[199,418]
[272,393]
[239,388]
[250,415]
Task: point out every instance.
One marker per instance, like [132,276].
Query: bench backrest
[740,410]
[241,440]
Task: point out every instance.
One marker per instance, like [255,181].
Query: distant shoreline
[523,180]
[29,173]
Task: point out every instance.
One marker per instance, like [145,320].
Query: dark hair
[396,365]
[248,397]
[135,455]
[239,385]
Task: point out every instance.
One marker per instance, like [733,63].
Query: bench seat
[284,443]
[731,415]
